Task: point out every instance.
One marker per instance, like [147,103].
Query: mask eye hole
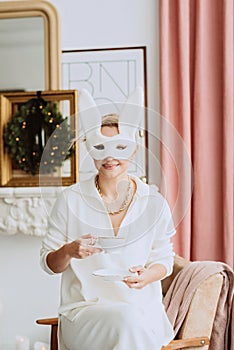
[99,147]
[121,147]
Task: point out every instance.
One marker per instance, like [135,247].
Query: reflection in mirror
[22,59]
[29,46]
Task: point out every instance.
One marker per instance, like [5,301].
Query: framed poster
[110,75]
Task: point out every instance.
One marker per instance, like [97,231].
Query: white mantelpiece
[26,210]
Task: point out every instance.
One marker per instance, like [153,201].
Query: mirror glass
[22,59]
[29,46]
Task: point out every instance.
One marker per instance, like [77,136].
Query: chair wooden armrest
[186,343]
[48,321]
[53,322]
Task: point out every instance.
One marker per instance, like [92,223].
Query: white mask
[120,146]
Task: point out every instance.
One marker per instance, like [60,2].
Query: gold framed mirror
[29,60]
[29,40]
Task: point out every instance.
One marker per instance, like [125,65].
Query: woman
[95,313]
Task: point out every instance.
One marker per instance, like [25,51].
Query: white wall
[26,292]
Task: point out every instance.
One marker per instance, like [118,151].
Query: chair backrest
[179,264]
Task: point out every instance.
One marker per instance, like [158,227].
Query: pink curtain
[196,77]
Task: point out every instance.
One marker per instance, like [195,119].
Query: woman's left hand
[137,281]
[144,275]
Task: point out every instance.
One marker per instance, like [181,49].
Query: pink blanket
[182,289]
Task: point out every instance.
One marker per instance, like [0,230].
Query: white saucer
[112,274]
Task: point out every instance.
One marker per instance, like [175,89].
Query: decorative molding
[26,210]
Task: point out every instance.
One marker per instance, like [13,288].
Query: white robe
[108,315]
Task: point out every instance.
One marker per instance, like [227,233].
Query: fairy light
[19,144]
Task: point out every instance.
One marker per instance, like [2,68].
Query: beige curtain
[196,77]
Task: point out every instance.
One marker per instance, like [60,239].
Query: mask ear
[89,114]
[132,113]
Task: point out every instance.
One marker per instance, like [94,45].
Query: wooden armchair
[196,330]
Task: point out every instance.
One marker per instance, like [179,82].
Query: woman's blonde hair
[111,120]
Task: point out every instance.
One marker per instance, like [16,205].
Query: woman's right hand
[83,247]
[59,260]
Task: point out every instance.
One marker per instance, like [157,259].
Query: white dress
[96,314]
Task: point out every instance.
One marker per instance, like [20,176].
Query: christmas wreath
[38,137]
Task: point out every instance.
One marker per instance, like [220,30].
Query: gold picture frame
[8,104]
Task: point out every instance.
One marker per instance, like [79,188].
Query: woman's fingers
[83,247]
[139,269]
[88,239]
[136,281]
[87,250]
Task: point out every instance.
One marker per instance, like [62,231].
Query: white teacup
[108,243]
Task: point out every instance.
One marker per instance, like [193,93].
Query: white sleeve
[162,247]
[56,235]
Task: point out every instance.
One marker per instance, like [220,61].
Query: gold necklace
[126,201]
